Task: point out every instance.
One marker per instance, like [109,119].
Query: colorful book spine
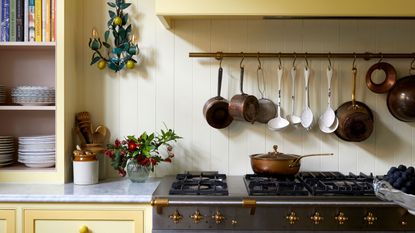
[5,20]
[38,20]
[19,20]
[12,26]
[43,20]
[26,20]
[48,19]
[53,21]
[31,19]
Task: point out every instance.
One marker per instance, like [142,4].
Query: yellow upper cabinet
[167,10]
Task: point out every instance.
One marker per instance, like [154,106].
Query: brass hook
[381,57]
[243,58]
[306,61]
[295,58]
[354,61]
[412,68]
[219,56]
[279,59]
[328,57]
[259,62]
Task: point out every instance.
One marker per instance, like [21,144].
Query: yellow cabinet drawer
[74,221]
[7,221]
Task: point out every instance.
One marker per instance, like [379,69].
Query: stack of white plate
[2,95]
[37,151]
[33,95]
[7,149]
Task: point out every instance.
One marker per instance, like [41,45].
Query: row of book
[27,20]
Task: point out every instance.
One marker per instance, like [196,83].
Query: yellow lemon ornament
[118,21]
[102,64]
[130,64]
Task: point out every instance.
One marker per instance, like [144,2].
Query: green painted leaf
[128,29]
[109,23]
[106,45]
[95,44]
[124,5]
[106,35]
[112,14]
[95,60]
[117,51]
[111,4]
[125,19]
[132,50]
[112,66]
[121,66]
[122,35]
[114,60]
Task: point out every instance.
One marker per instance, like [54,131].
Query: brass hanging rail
[365,56]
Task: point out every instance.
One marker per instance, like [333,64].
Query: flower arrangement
[144,149]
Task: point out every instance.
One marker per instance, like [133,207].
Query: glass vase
[136,172]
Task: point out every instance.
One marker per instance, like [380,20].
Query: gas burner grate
[280,186]
[335,183]
[199,183]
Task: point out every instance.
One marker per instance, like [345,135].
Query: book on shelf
[5,20]
[19,20]
[28,20]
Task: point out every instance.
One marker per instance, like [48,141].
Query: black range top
[311,183]
[199,183]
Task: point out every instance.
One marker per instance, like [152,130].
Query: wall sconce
[121,55]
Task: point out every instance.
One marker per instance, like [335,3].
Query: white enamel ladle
[307,115]
[294,119]
[278,123]
[328,122]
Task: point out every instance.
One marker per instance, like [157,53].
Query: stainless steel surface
[266,214]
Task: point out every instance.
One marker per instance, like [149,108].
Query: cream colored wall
[170,87]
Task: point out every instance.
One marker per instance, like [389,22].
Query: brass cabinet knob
[218,217]
[197,217]
[83,229]
[176,217]
[404,222]
[370,218]
[341,218]
[234,222]
[292,218]
[316,218]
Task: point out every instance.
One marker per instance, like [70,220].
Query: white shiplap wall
[172,88]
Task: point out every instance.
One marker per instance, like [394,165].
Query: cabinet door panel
[74,226]
[7,221]
[71,221]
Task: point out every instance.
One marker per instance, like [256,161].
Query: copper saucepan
[276,163]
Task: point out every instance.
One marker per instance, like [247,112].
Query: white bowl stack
[2,95]
[37,151]
[7,150]
[33,95]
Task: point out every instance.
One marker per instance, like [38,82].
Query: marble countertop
[113,191]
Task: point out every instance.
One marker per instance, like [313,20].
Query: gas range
[310,201]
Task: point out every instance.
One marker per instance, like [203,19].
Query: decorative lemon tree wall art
[124,50]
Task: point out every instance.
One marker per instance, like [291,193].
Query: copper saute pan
[277,163]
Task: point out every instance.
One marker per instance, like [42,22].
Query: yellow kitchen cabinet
[7,221]
[70,221]
[75,217]
[168,10]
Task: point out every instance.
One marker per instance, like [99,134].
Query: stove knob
[218,217]
[292,218]
[316,218]
[341,218]
[176,217]
[370,218]
[197,217]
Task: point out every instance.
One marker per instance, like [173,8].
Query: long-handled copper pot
[276,163]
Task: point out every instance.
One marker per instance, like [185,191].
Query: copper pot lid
[275,155]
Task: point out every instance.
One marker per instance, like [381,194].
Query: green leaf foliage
[106,35]
[117,51]
[112,14]
[111,4]
[125,19]
[94,59]
[106,45]
[124,5]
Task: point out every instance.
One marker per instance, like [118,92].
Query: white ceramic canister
[85,168]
